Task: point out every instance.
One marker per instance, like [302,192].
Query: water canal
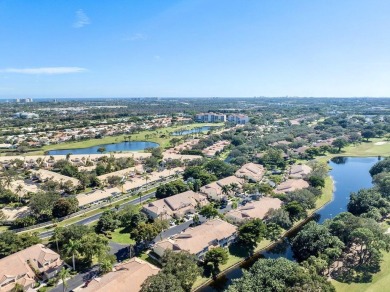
[350,174]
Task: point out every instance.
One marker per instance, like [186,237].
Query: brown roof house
[214,189]
[175,206]
[45,175]
[253,210]
[26,266]
[251,171]
[291,185]
[126,277]
[299,171]
[200,239]
[85,199]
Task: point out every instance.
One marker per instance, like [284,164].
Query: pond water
[115,147]
[350,174]
[192,131]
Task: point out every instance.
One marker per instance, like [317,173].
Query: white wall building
[238,119]
[210,117]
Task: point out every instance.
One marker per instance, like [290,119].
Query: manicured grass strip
[369,148]
[327,193]
[121,236]
[145,256]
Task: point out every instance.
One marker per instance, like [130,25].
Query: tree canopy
[280,275]
[179,272]
[313,240]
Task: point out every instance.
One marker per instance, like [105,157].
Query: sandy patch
[380,143]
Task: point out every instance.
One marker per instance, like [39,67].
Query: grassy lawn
[120,235]
[141,136]
[368,148]
[327,193]
[380,281]
[364,149]
[3,228]
[145,256]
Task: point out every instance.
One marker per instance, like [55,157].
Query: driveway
[77,280]
[177,229]
[121,251]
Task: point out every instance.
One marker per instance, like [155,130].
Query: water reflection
[115,147]
[339,160]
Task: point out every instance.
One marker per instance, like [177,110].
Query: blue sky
[121,48]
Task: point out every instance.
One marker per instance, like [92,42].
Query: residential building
[299,171]
[127,172]
[200,239]
[218,147]
[6,146]
[291,185]
[24,115]
[45,175]
[24,267]
[253,210]
[238,119]
[210,117]
[251,171]
[214,189]
[125,277]
[175,206]
[97,195]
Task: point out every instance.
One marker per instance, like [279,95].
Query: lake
[192,131]
[115,147]
[350,174]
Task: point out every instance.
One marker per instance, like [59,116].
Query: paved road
[95,217]
[120,251]
[77,280]
[177,229]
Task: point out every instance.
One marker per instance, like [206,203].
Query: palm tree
[234,187]
[71,248]
[145,177]
[56,234]
[17,288]
[122,183]
[110,199]
[8,179]
[63,275]
[18,190]
[226,190]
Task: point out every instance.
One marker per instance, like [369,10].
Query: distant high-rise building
[238,119]
[210,117]
[23,100]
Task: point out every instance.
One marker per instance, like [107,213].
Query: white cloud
[81,19]
[44,70]
[136,37]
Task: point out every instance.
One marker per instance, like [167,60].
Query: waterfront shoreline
[257,253]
